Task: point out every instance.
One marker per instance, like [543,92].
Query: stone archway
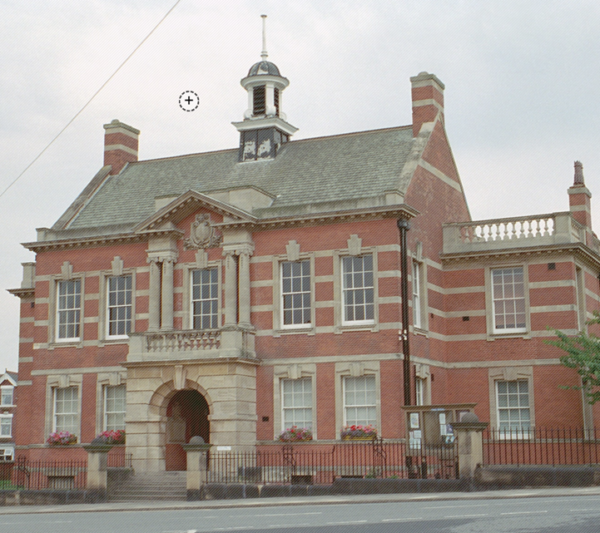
[187,416]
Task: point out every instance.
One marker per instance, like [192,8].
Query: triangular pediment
[8,379]
[188,203]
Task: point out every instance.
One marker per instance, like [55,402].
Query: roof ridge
[350,133]
[336,135]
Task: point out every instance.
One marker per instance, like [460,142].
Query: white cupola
[264,128]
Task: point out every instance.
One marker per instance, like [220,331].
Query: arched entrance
[187,416]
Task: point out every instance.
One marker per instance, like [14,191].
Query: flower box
[62,438]
[112,436]
[295,435]
[358,432]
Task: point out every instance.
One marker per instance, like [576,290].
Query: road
[566,514]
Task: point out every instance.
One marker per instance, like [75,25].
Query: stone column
[97,469]
[244,287]
[231,282]
[196,476]
[167,294]
[470,444]
[154,295]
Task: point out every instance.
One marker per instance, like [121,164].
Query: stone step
[151,486]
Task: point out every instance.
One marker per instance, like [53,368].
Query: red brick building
[232,294]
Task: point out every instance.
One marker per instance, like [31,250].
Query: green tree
[583,354]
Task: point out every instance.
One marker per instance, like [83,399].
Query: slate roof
[327,170]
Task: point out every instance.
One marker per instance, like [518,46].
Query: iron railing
[541,446]
[313,463]
[117,459]
[54,475]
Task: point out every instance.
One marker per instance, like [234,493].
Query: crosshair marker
[189,101]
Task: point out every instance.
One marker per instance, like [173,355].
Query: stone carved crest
[202,234]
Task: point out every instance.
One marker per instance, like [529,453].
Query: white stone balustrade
[191,344]
[183,341]
[515,232]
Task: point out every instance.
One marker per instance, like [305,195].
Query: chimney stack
[580,201]
[120,145]
[427,100]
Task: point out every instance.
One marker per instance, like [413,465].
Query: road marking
[19,523]
[346,523]
[402,519]
[580,510]
[272,526]
[283,514]
[525,512]
[466,515]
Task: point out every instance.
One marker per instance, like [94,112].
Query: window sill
[113,340]
[509,335]
[370,327]
[420,331]
[65,344]
[305,330]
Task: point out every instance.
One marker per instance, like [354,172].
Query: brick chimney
[580,200]
[120,145]
[427,100]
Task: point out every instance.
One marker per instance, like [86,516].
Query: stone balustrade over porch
[515,232]
[233,341]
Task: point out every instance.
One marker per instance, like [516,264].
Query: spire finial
[264,53]
[578,174]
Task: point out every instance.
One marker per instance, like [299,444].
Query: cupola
[264,128]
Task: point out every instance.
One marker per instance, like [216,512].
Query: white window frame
[345,291]
[306,381]
[55,414]
[520,429]
[303,293]
[416,295]
[5,390]
[419,391]
[217,315]
[119,306]
[508,299]
[3,418]
[106,412]
[374,406]
[7,453]
[77,309]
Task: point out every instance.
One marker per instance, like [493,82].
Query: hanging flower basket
[296,434]
[358,432]
[61,438]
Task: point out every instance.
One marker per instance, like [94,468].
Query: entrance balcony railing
[187,344]
[183,341]
[229,341]
[515,232]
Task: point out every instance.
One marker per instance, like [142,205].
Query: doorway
[187,416]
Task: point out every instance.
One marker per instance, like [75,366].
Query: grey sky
[521,92]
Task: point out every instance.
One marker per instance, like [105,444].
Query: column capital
[162,257]
[239,249]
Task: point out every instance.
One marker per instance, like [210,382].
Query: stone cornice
[188,362]
[100,240]
[22,293]
[366,213]
[142,235]
[585,253]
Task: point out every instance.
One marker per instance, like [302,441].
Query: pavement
[156,505]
